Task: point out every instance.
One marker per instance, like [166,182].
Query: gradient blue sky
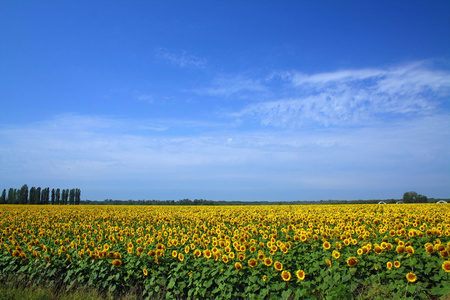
[226,100]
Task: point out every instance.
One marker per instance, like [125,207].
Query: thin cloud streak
[231,86]
[181,59]
[352,97]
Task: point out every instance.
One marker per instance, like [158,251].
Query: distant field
[273,252]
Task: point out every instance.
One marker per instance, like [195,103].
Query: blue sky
[226,100]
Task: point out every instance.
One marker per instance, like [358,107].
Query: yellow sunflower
[411,277]
[180,256]
[207,253]
[400,249]
[117,263]
[238,266]
[352,261]
[446,266]
[252,262]
[300,274]
[286,275]
[278,266]
[268,261]
[389,265]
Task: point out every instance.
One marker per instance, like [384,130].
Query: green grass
[19,290]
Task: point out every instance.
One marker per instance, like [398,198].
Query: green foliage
[40,196]
[413,197]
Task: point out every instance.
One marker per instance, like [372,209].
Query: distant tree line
[222,202]
[152,202]
[41,196]
[413,197]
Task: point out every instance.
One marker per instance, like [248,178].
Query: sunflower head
[377,249]
[278,266]
[252,262]
[207,253]
[180,256]
[352,261]
[241,256]
[197,253]
[444,254]
[400,249]
[389,265]
[446,266]
[300,274]
[268,261]
[117,263]
[410,249]
[286,275]
[411,277]
[225,258]
[238,266]
[429,249]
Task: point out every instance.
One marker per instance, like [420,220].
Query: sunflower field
[223,252]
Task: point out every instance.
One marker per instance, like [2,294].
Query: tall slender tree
[77,196]
[37,196]
[11,199]
[46,196]
[58,196]
[23,194]
[53,197]
[32,195]
[71,196]
[3,198]
[66,196]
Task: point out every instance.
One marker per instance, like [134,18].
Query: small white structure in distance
[442,201]
[381,202]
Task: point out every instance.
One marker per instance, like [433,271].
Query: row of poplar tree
[41,196]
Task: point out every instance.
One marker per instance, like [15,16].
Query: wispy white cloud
[75,147]
[348,97]
[226,86]
[145,98]
[181,58]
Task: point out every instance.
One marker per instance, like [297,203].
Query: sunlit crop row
[244,250]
